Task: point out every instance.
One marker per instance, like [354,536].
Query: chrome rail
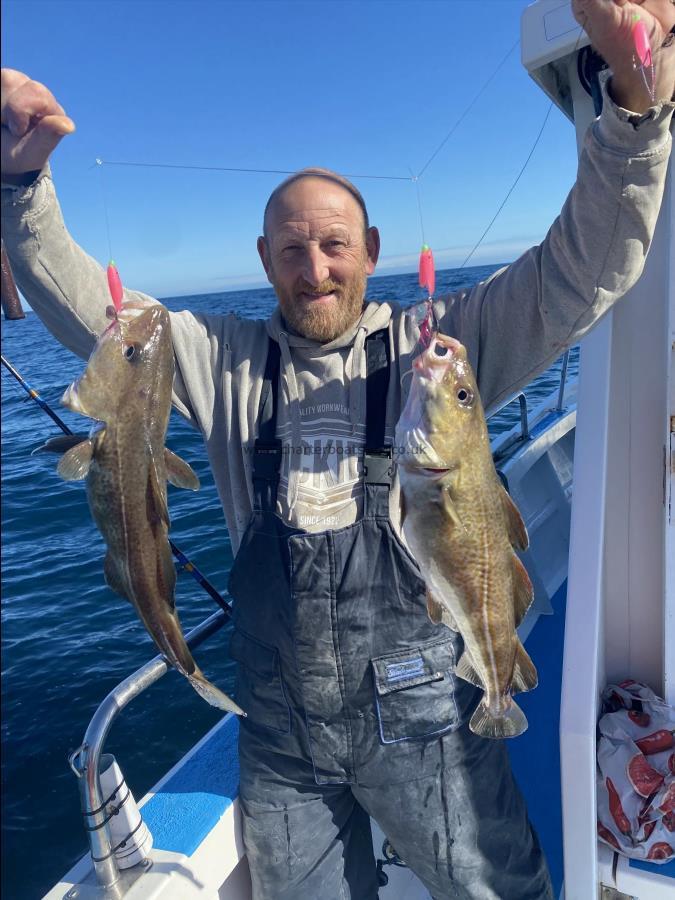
[563,379]
[522,400]
[85,760]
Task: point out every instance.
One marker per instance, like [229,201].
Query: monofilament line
[108,162]
[99,163]
[465,113]
[510,190]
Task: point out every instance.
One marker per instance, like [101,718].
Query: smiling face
[317,254]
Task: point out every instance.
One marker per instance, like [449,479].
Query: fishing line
[99,163]
[511,189]
[466,112]
[108,162]
[529,157]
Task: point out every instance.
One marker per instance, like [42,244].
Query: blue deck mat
[535,755]
[190,803]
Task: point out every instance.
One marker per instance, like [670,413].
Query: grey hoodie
[514,325]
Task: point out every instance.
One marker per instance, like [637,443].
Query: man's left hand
[609,25]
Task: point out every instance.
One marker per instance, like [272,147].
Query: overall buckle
[266,460]
[378,466]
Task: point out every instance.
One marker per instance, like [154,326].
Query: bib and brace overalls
[353,706]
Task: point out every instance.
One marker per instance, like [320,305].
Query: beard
[323,322]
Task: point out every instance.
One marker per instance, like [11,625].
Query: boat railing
[85,761]
[524,434]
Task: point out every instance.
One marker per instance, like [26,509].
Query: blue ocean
[67,639]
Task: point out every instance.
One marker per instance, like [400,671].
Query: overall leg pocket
[415,692]
[259,686]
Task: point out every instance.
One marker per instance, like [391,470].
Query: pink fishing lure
[427,271]
[643,49]
[427,280]
[115,286]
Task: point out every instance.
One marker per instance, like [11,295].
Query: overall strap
[378,458]
[267,447]
[378,466]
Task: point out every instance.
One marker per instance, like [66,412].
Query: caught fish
[126,386]
[462,527]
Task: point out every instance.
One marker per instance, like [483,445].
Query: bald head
[331,178]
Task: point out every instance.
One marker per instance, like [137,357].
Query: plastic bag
[636,773]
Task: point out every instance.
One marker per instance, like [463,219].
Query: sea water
[67,639]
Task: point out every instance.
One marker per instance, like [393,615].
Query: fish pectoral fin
[465,669]
[514,521]
[438,612]
[61,443]
[450,508]
[74,465]
[523,592]
[157,508]
[179,473]
[524,673]
[112,576]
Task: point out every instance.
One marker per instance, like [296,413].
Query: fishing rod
[185,564]
[9,296]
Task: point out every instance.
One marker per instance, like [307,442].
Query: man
[328,601]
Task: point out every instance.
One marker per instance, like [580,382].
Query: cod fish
[462,526]
[126,386]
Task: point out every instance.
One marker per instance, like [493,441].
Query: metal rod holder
[86,759]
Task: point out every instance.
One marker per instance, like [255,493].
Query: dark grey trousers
[463,829]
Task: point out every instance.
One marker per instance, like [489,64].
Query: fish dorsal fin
[438,612]
[465,669]
[514,521]
[434,608]
[179,473]
[523,592]
[166,578]
[113,577]
[158,511]
[74,465]
[524,673]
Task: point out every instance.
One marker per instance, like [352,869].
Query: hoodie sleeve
[524,316]
[68,290]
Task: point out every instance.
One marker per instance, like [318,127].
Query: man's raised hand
[609,25]
[33,123]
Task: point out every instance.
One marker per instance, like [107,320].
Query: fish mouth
[71,399]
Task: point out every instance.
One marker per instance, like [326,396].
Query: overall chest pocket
[415,692]
[259,688]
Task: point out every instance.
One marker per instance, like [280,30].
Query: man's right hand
[33,123]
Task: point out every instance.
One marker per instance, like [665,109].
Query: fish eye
[440,350]
[129,351]
[465,396]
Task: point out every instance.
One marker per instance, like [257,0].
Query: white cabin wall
[669,464]
[584,665]
[634,550]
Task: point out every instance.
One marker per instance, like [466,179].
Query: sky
[359,86]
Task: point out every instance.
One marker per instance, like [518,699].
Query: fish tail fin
[524,673]
[212,694]
[510,721]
